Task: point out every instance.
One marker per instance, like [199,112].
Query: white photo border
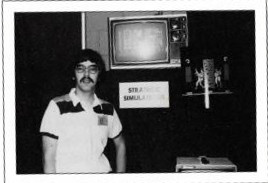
[8,57]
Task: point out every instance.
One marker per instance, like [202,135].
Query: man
[76,126]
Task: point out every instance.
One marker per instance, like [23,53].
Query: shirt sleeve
[115,127]
[50,121]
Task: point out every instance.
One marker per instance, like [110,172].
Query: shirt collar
[76,100]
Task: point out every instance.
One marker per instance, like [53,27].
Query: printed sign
[144,95]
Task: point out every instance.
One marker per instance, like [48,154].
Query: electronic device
[204,164]
[147,41]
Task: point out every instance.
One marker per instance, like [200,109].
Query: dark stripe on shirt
[117,135]
[107,109]
[50,135]
[67,107]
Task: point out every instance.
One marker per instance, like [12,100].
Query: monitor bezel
[145,64]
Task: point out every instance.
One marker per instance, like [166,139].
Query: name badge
[103,120]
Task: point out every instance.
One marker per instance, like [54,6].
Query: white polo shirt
[82,133]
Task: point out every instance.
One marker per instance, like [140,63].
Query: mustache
[84,78]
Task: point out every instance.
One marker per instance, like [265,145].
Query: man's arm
[49,154]
[120,148]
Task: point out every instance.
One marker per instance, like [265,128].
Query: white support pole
[83,30]
[206,91]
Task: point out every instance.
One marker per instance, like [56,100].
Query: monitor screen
[139,42]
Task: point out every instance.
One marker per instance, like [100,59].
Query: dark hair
[92,56]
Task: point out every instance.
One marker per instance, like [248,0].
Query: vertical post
[209,81]
[83,30]
[206,91]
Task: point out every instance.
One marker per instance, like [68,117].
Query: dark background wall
[45,44]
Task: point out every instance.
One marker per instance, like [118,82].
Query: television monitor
[147,41]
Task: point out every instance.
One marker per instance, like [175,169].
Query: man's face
[86,75]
